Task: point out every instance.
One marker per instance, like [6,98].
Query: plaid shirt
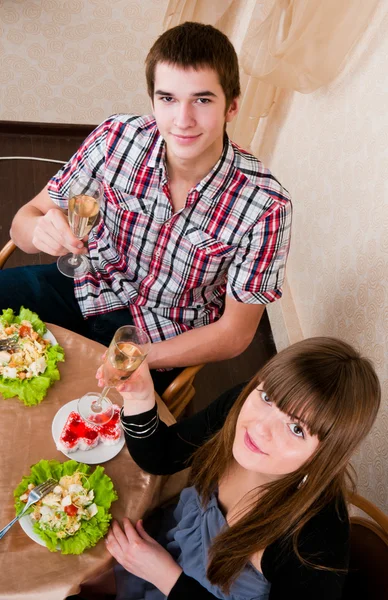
[172,269]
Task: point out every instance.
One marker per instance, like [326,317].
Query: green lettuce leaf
[26,314]
[7,317]
[31,391]
[91,531]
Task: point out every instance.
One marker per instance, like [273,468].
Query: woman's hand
[141,555]
[138,391]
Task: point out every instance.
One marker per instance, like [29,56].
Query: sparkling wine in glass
[83,207]
[127,350]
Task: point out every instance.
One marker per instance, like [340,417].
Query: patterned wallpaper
[75,61]
[331,153]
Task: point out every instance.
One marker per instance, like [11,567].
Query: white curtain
[295,45]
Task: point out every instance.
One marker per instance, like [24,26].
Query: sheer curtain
[296,45]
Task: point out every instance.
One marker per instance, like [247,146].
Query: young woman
[266,515]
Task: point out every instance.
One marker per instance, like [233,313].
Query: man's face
[190,111]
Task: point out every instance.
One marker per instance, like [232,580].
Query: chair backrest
[9,247]
[180,391]
[368,568]
[6,252]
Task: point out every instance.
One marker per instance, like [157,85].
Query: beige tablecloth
[29,571]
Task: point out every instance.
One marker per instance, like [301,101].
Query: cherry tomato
[24,331]
[71,510]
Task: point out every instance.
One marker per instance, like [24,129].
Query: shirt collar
[216,179]
[157,150]
[213,182]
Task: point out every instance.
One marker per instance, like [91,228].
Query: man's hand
[52,234]
[40,226]
[141,555]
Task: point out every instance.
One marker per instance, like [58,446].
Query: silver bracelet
[144,433]
[122,417]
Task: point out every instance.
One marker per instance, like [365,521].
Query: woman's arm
[190,589]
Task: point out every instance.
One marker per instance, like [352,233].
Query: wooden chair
[368,568]
[181,391]
[6,252]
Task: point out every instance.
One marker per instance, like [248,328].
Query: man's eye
[167,99]
[297,430]
[265,397]
[203,100]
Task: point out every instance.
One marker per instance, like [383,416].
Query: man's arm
[40,226]
[226,338]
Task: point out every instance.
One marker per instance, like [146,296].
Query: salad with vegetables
[63,510]
[29,368]
[75,515]
[28,357]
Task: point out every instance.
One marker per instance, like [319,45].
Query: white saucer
[100,454]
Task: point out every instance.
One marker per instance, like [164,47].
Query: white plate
[26,524]
[100,454]
[49,336]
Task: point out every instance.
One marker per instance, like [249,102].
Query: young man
[194,232]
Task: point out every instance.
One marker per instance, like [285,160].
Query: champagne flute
[85,195]
[127,350]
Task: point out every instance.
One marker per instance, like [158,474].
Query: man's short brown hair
[197,46]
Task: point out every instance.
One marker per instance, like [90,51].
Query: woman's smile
[251,445]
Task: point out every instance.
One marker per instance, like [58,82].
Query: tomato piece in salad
[71,510]
[24,331]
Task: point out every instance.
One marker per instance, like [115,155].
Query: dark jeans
[44,290]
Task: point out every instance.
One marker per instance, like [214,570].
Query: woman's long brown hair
[336,392]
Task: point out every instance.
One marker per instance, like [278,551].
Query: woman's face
[267,440]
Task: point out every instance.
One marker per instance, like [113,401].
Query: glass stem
[73,260]
[102,395]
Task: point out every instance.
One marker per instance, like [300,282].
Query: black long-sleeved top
[325,537]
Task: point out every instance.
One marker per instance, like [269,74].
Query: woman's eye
[265,397]
[297,430]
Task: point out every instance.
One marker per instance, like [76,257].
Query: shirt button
[157,253]
[151,277]
[167,225]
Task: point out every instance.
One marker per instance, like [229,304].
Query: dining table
[28,570]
